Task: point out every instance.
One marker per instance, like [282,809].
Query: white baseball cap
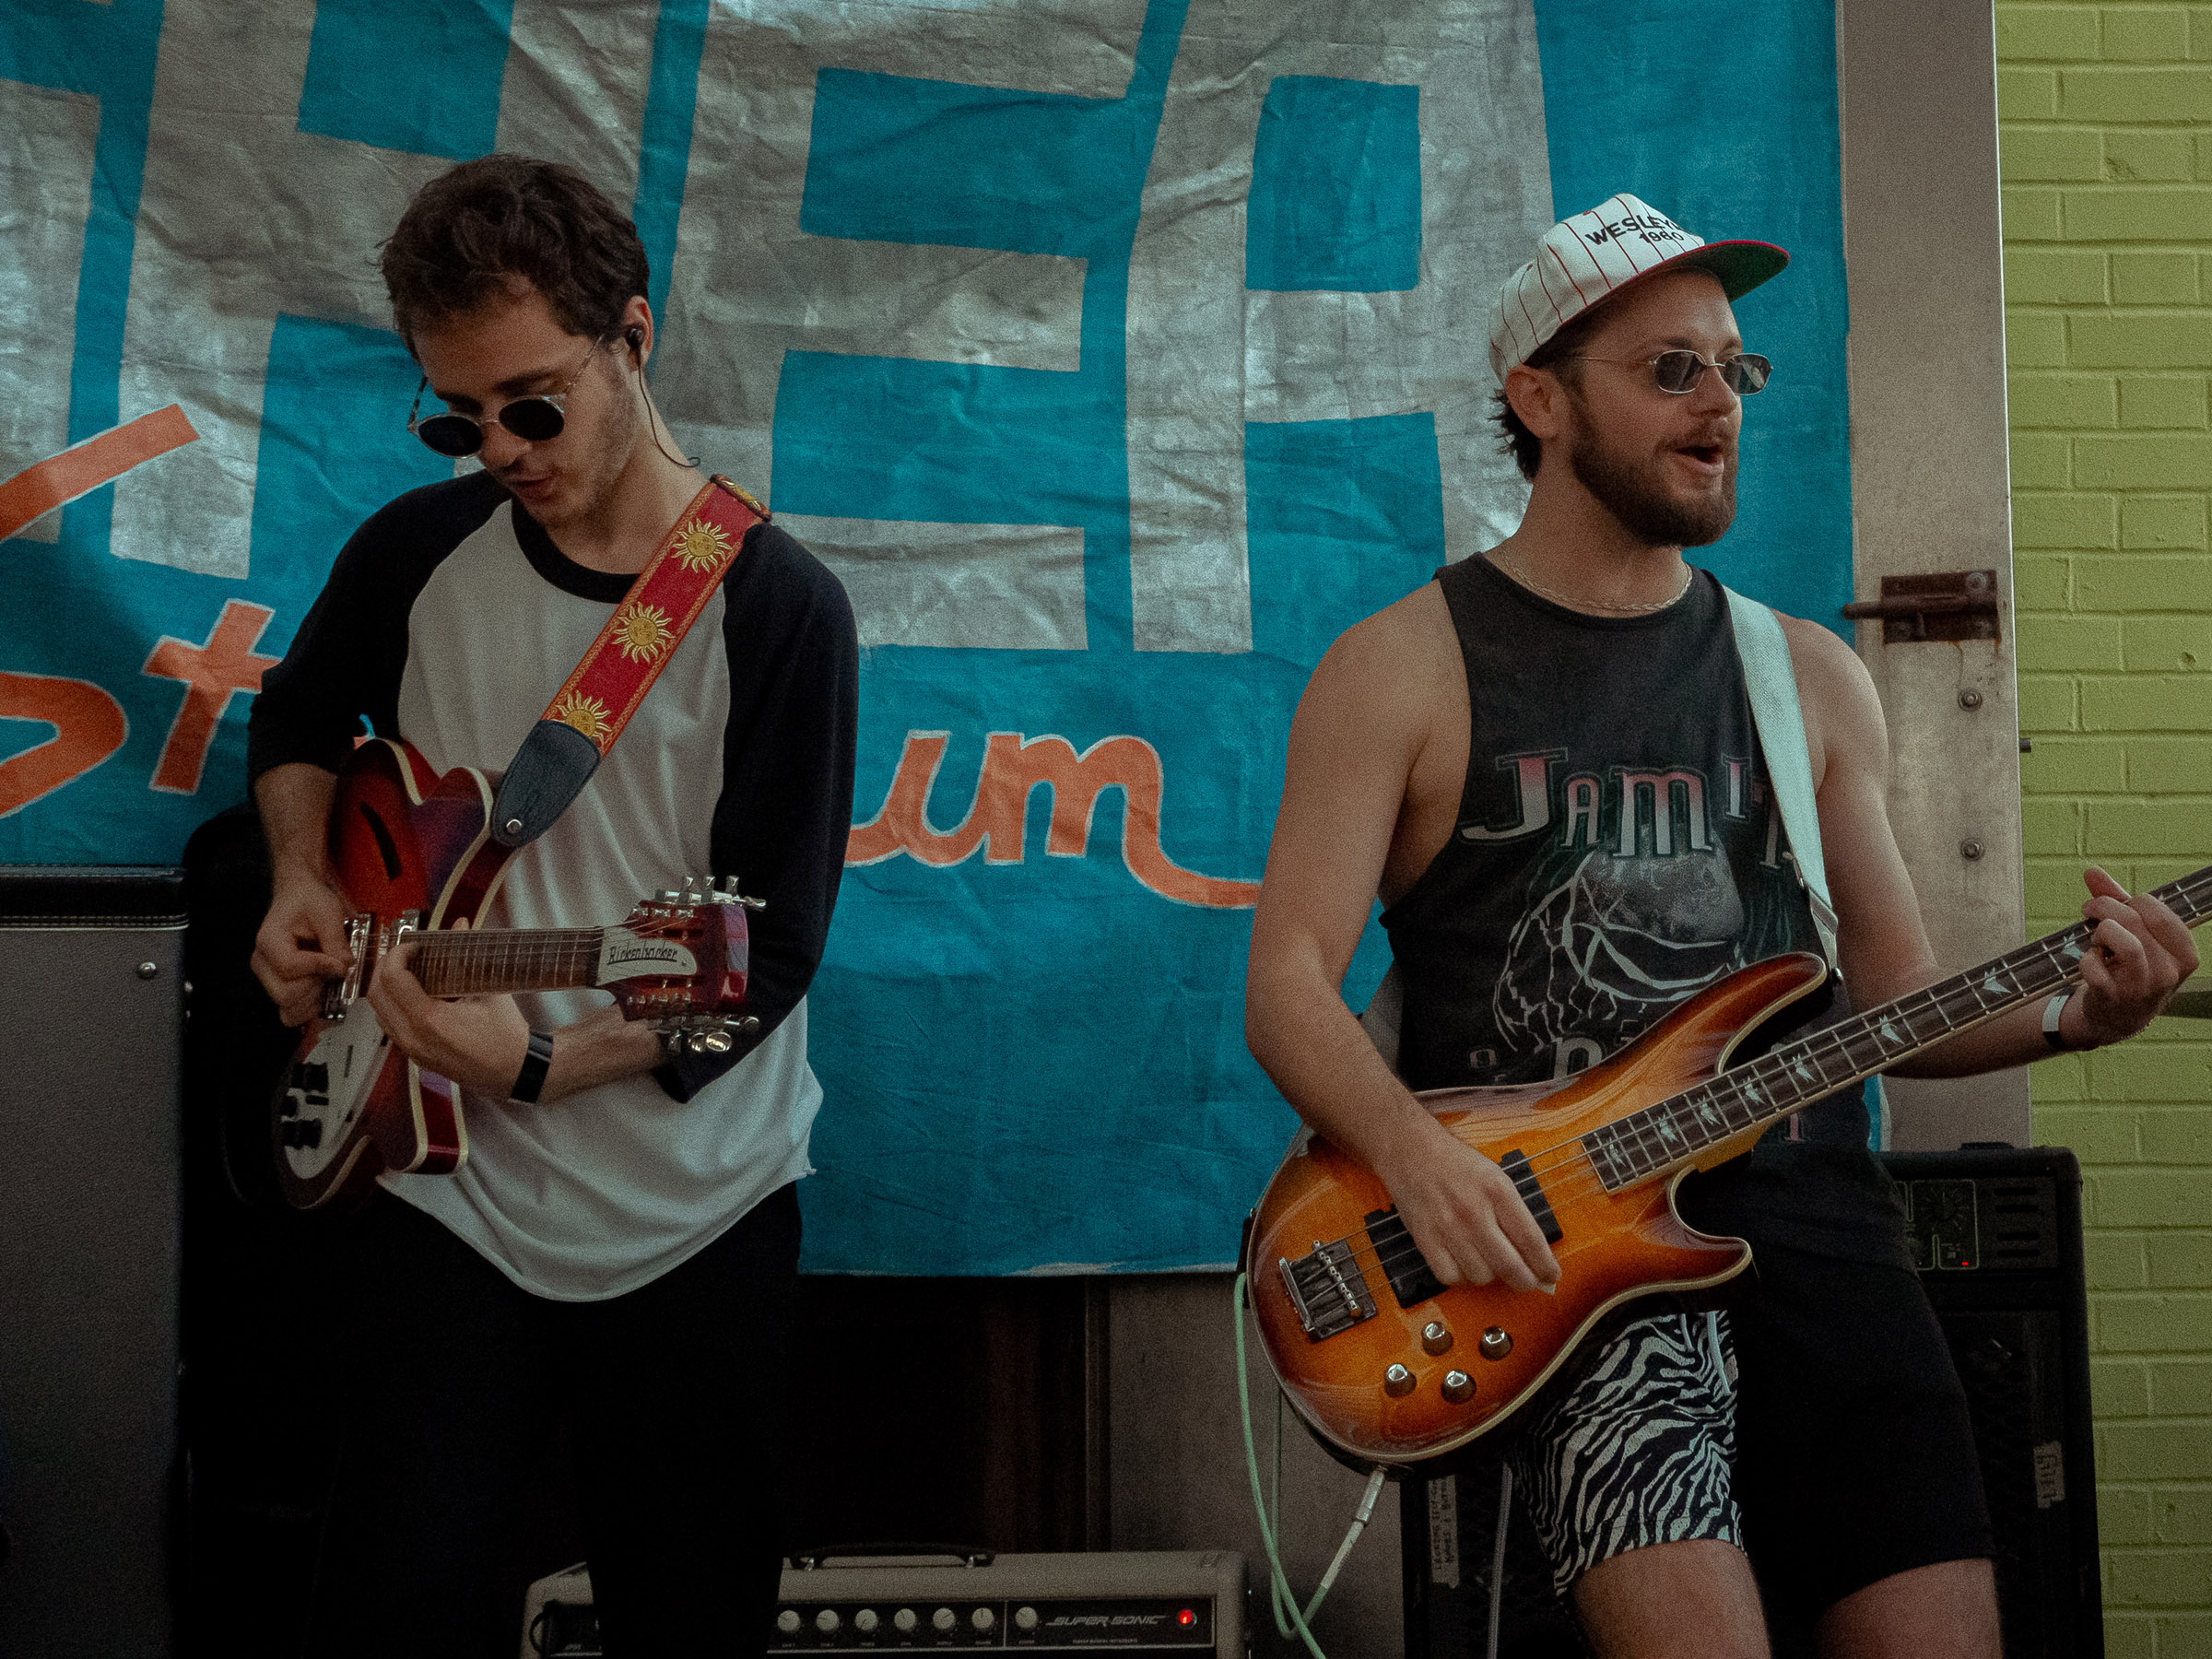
[1596,254]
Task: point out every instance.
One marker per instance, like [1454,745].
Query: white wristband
[2052,1010]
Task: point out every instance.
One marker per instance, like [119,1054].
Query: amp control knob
[865,1621]
[787,1621]
[827,1621]
[943,1619]
[904,1619]
[982,1618]
[1025,1618]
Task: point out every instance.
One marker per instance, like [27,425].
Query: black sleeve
[345,660]
[786,811]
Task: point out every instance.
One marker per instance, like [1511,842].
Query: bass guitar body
[409,851]
[1393,1366]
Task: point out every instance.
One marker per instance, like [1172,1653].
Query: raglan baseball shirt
[450,619]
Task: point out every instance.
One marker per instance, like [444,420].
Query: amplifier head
[1185,1603]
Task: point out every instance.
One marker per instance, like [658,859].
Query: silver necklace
[1573,603]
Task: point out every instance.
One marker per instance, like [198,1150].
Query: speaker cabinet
[91,985]
[1997,1232]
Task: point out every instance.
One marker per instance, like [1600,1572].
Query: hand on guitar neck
[479,1042]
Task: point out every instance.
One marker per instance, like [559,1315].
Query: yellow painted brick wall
[2106,144]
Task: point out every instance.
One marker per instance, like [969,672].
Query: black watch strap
[532,1077]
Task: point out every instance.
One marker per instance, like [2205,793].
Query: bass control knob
[1459,1388]
[943,1619]
[1397,1382]
[1436,1337]
[982,1618]
[827,1621]
[865,1621]
[1496,1343]
[787,1621]
[1025,1618]
[904,1619]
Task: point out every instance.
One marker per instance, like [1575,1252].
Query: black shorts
[1854,1453]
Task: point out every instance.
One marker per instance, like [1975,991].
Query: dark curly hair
[471,229]
[1557,354]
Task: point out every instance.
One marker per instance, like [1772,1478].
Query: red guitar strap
[595,702]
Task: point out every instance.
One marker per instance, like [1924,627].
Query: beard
[1626,487]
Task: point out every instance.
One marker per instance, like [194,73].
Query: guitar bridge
[1327,1289]
[338,995]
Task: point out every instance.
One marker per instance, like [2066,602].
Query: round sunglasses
[533,420]
[1679,371]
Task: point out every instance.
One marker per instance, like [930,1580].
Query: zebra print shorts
[1633,1444]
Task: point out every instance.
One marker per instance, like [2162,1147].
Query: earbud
[636,337]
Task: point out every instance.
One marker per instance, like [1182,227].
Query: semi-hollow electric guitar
[412,855]
[1393,1366]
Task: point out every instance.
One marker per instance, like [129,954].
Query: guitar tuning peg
[708,1042]
[669,896]
[745,1026]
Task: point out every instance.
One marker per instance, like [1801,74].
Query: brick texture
[2108,264]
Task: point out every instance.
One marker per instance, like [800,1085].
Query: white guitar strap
[1764,652]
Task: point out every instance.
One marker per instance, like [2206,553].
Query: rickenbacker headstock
[679,962]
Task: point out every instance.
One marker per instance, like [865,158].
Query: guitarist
[1543,762]
[620,1249]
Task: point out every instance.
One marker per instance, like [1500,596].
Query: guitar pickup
[1515,1164]
[1327,1289]
[1401,1259]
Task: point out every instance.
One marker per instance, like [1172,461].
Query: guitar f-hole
[387,849]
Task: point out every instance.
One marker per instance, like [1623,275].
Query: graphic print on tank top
[1632,906]
[1618,848]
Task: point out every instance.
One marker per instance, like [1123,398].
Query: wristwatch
[532,1077]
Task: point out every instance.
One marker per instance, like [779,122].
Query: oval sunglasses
[534,419]
[1680,372]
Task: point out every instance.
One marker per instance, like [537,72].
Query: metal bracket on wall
[1947,605]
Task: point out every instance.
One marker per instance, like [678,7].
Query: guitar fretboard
[1662,1138]
[476,962]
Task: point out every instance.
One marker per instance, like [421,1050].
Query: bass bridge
[1326,1288]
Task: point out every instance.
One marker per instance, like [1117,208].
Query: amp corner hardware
[1947,605]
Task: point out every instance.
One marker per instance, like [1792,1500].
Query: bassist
[1544,763]
[619,1250]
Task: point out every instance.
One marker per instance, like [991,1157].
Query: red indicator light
[1187,1618]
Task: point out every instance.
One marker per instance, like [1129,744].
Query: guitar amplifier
[1135,1602]
[1997,1233]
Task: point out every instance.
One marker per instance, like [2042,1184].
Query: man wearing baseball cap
[1546,764]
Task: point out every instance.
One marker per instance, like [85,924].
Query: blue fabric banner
[1117,354]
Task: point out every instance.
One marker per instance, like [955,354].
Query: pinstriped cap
[1596,254]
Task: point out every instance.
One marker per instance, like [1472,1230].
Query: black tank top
[1619,849]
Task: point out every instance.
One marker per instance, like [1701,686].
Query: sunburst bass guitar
[1393,1366]
[412,855]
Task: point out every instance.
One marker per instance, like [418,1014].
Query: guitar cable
[1282,1599]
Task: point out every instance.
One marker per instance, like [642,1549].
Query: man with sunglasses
[1545,764]
[613,1266]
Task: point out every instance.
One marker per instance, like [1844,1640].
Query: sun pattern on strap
[701,545]
[587,714]
[642,631]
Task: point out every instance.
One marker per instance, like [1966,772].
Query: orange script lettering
[1012,767]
